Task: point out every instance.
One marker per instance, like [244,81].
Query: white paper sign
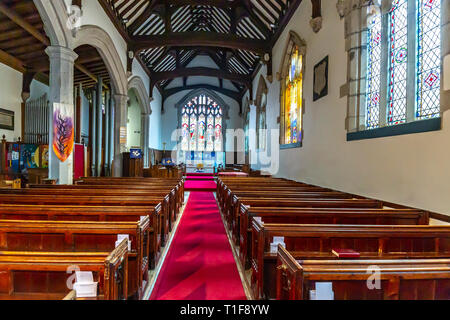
[84,276]
[324,291]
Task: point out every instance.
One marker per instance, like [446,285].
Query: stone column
[120,132]
[107,132]
[111,133]
[61,91]
[145,131]
[94,134]
[99,126]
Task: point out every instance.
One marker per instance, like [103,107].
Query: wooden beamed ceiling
[166,35]
[23,42]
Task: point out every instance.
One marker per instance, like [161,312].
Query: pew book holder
[85,286]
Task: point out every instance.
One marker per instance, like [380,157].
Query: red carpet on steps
[199,264]
[200,184]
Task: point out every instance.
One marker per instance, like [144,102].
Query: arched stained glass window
[293,97]
[373,71]
[201,125]
[428,58]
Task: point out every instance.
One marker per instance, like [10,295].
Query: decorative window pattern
[293,97]
[412,67]
[428,58]
[201,125]
[373,72]
[398,63]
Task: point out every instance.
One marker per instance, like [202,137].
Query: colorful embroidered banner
[63,131]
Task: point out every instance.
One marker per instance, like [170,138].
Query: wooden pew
[233,217]
[177,193]
[168,206]
[358,216]
[93,213]
[76,236]
[43,275]
[317,242]
[91,201]
[176,200]
[176,184]
[400,279]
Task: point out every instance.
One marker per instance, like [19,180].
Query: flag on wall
[63,131]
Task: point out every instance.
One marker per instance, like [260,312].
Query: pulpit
[133,166]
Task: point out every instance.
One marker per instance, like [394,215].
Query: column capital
[58,52]
[120,98]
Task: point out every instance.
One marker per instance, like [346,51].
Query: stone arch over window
[292,104]
[395,73]
[261,114]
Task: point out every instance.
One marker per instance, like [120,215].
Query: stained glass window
[201,125]
[398,63]
[429,58]
[373,72]
[293,99]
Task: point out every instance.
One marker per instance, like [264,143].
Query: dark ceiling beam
[115,19]
[201,72]
[229,93]
[193,39]
[284,21]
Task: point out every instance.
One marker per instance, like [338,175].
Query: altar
[201,161]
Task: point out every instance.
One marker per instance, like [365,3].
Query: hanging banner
[63,131]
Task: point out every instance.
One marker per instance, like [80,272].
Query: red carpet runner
[200,182]
[199,264]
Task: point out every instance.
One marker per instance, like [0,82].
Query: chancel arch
[137,89]
[292,103]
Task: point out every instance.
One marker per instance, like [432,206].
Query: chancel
[224,150]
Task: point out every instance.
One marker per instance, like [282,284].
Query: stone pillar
[107,132]
[120,132]
[99,126]
[94,134]
[145,131]
[61,91]
[111,133]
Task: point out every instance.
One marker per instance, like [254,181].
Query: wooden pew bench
[168,205]
[366,216]
[75,236]
[232,197]
[94,213]
[234,221]
[318,241]
[92,201]
[400,279]
[44,275]
[174,204]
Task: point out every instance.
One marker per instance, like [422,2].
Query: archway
[138,120]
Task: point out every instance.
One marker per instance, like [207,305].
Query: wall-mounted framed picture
[6,119]
[320,79]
